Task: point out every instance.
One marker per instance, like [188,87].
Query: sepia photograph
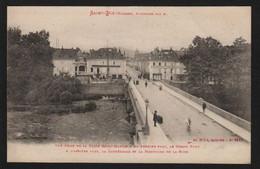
[129,84]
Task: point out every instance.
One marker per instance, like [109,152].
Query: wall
[177,68]
[103,89]
[67,66]
[103,70]
[235,119]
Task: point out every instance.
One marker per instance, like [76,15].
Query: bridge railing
[223,113]
[136,107]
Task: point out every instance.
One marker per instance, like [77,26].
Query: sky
[176,27]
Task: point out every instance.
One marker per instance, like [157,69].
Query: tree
[237,77]
[239,41]
[202,61]
[29,61]
[227,66]
[14,36]
[238,73]
[66,97]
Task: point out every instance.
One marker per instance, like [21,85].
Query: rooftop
[65,54]
[159,55]
[104,53]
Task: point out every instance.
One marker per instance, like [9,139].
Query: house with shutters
[63,61]
[104,63]
[162,64]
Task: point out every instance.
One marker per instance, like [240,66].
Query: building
[139,58]
[104,63]
[63,60]
[162,65]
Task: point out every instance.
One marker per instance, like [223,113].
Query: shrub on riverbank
[51,89]
[66,97]
[90,106]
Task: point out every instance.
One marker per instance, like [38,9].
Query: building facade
[162,65]
[104,63]
[139,58]
[63,60]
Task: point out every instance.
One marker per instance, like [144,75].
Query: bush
[93,97]
[51,89]
[66,97]
[44,110]
[78,109]
[78,97]
[90,106]
[20,108]
[31,96]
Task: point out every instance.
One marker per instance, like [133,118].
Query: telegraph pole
[107,63]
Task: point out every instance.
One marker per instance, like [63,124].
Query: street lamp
[164,73]
[146,127]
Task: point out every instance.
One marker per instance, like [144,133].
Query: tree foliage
[228,68]
[29,70]
[29,62]
[66,97]
[203,61]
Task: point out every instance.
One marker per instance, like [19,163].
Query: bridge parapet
[225,114]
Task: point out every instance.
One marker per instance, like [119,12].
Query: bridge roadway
[175,112]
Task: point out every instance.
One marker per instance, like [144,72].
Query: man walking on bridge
[204,107]
[155,118]
[188,123]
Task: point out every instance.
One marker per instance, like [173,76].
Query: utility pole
[107,63]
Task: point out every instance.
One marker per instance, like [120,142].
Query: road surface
[175,112]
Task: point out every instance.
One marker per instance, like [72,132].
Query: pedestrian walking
[160,87]
[204,107]
[146,83]
[188,123]
[155,117]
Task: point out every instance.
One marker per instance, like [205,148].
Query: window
[81,68]
[154,63]
[159,63]
[114,63]
[171,70]
[91,69]
[76,68]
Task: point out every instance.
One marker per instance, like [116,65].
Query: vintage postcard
[129,84]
